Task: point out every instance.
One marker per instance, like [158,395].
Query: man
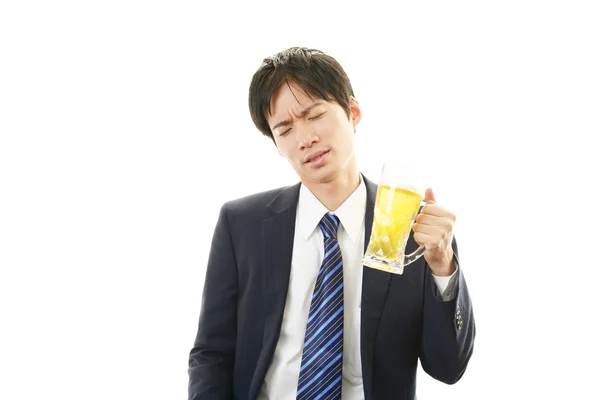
[288,310]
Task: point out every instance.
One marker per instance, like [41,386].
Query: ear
[355,112]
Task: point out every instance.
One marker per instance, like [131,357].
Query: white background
[124,127]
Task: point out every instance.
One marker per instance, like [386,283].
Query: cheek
[325,128]
[286,149]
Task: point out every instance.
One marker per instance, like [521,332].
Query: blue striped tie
[321,368]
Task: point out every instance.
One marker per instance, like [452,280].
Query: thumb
[429,197]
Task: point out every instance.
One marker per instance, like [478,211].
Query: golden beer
[394,214]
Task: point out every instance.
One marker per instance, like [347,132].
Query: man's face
[315,136]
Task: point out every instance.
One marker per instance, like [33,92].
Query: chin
[320,176]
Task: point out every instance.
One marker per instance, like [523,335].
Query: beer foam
[399,184]
[401,176]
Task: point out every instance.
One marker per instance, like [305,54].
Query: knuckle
[449,224]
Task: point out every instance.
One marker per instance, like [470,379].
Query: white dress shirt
[281,380]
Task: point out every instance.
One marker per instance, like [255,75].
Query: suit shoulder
[253,204]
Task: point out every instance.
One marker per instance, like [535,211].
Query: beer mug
[399,198]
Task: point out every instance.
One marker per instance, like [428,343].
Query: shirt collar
[351,213]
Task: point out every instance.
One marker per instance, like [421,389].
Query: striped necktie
[321,367]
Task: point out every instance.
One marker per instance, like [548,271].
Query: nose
[307,137]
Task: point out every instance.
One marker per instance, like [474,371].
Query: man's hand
[433,229]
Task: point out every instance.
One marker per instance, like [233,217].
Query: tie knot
[329,225]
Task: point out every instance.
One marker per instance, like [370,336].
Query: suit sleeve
[211,359]
[448,329]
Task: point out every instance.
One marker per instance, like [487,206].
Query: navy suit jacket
[247,277]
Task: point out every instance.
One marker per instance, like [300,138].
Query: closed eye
[317,116]
[285,132]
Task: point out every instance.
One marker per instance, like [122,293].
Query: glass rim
[403,176]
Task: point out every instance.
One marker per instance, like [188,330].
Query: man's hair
[317,73]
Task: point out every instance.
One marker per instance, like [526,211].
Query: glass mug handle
[415,255]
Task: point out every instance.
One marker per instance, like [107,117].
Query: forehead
[289,97]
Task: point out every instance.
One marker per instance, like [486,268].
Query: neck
[332,194]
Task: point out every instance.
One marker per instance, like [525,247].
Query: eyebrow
[302,114]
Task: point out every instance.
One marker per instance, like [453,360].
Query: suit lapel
[374,291]
[277,242]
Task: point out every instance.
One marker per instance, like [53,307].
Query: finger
[438,211]
[423,239]
[429,197]
[433,231]
[431,220]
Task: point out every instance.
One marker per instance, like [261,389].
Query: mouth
[315,157]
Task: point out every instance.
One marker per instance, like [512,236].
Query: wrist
[444,268]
